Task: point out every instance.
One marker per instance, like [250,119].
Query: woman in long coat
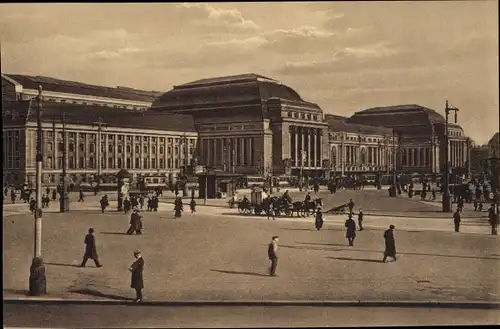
[178,207]
[390,244]
[136,281]
[350,224]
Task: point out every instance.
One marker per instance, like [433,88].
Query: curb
[317,303]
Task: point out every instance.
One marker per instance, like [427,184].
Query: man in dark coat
[360,219]
[178,207]
[81,198]
[47,190]
[390,244]
[492,219]
[90,249]
[350,224]
[457,220]
[141,201]
[54,195]
[192,204]
[272,253]
[13,195]
[135,223]
[319,219]
[104,203]
[351,205]
[137,281]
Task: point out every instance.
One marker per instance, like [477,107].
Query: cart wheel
[288,212]
[240,210]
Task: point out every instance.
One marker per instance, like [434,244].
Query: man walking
[351,206]
[360,219]
[492,219]
[272,252]
[350,224]
[457,220]
[135,223]
[390,244]
[81,198]
[90,249]
[137,281]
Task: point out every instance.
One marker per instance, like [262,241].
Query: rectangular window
[129,163]
[137,163]
[81,162]
[71,163]
[91,163]
[110,163]
[119,163]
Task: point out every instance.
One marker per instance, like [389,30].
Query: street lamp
[63,188]
[393,193]
[446,202]
[99,123]
[37,279]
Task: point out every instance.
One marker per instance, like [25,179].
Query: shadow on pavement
[242,273]
[357,259]
[423,254]
[306,248]
[95,293]
[113,233]
[61,264]
[323,244]
[298,229]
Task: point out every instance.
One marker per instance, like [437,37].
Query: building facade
[494,146]
[98,143]
[358,149]
[252,125]
[421,135]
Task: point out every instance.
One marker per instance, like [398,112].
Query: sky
[344,56]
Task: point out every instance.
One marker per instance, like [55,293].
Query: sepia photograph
[250,164]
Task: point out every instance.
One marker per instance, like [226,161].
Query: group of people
[136,268]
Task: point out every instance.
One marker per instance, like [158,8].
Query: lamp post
[393,193]
[63,188]
[446,202]
[37,279]
[99,123]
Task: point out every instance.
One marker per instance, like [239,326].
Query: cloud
[209,16]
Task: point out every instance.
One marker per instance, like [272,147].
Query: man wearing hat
[360,219]
[135,223]
[319,219]
[137,281]
[90,249]
[390,243]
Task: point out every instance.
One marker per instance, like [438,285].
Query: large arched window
[333,159]
[363,156]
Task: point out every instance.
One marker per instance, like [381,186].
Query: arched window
[334,156]
[363,156]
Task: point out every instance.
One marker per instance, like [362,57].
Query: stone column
[302,147]
[320,147]
[165,152]
[296,134]
[314,148]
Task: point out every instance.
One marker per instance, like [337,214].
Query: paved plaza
[217,254]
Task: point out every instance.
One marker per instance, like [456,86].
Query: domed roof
[410,116]
[237,89]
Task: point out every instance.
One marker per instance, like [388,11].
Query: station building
[106,129]
[421,138]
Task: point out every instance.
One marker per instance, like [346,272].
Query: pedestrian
[476,204]
[137,281]
[272,252]
[351,205]
[360,219]
[319,219]
[135,223]
[460,203]
[141,201]
[32,205]
[81,199]
[104,203]
[126,205]
[390,244]
[270,209]
[192,204]
[90,249]
[178,207]
[457,220]
[350,224]
[54,195]
[492,219]
[47,190]
[13,196]
[155,203]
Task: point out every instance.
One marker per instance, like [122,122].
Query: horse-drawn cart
[255,204]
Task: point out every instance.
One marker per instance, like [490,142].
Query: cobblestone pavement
[115,316]
[225,257]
